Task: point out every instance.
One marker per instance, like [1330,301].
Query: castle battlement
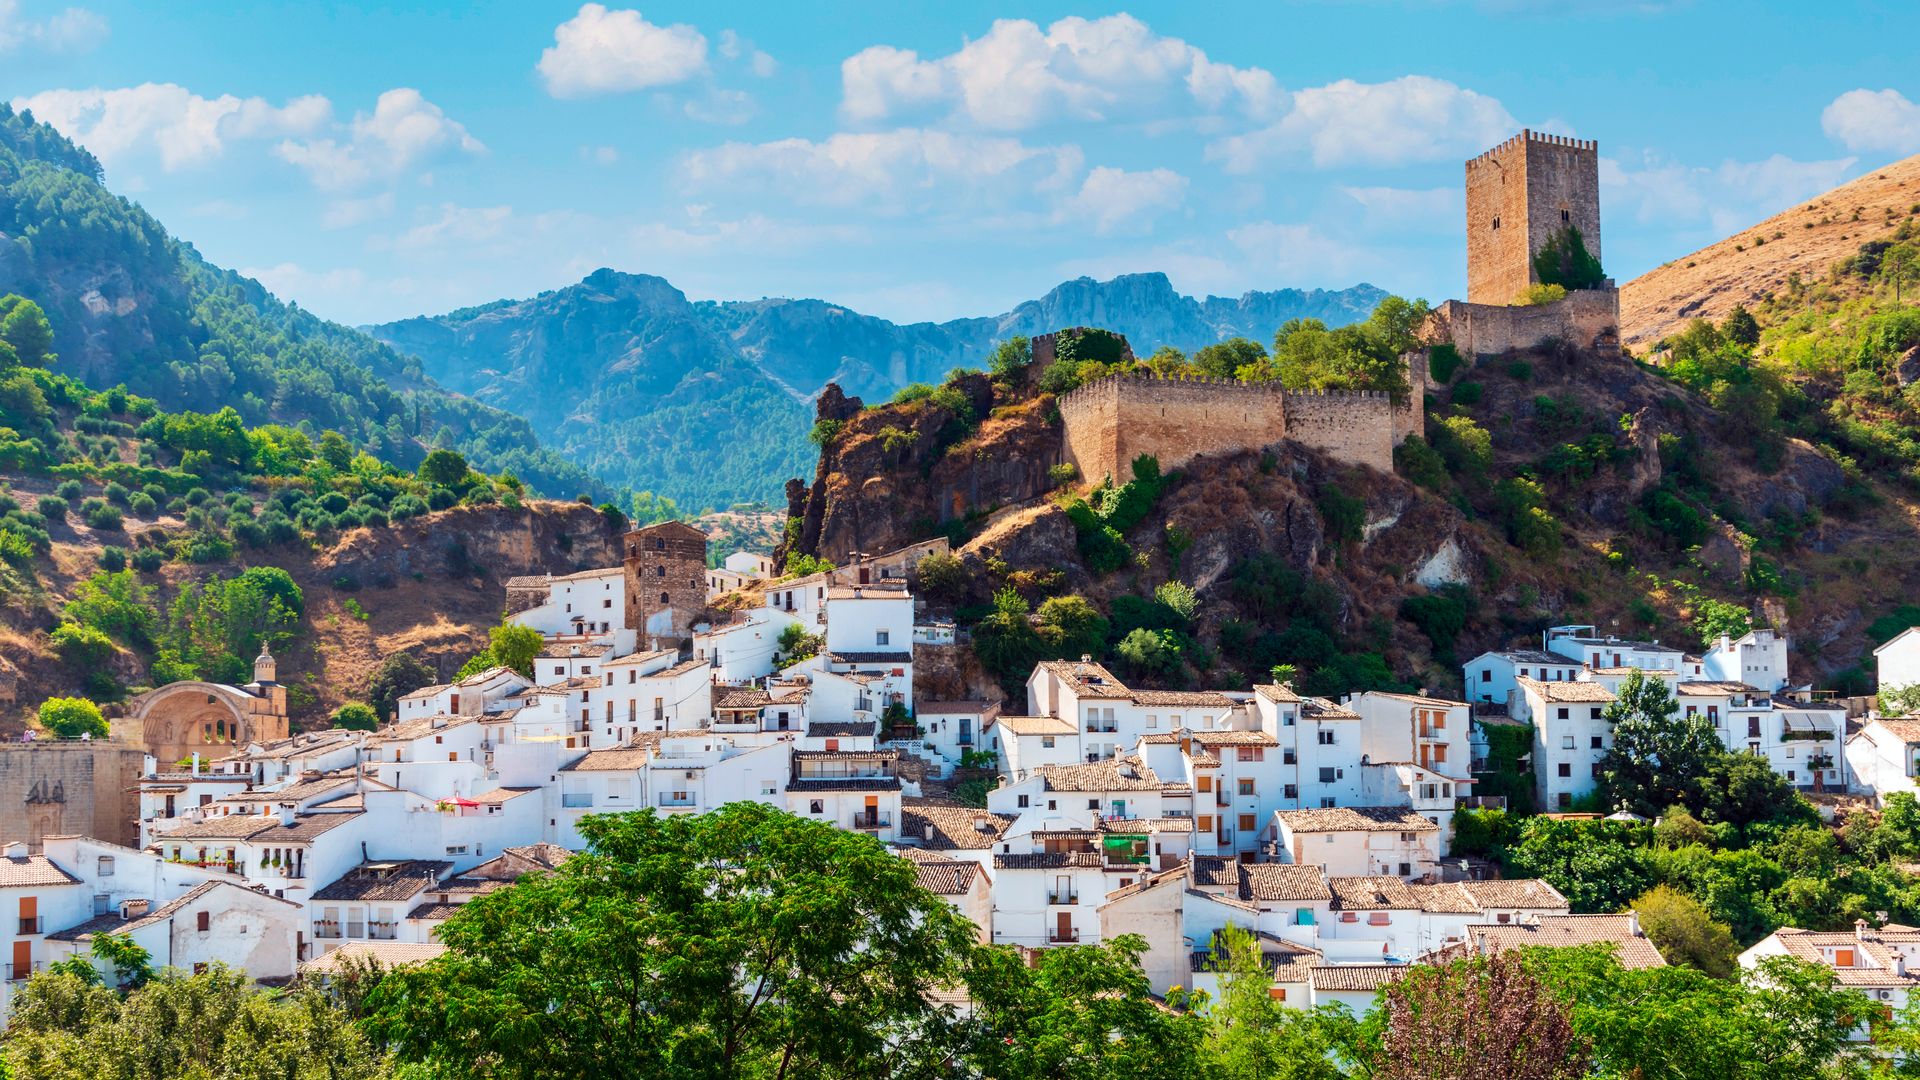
[1114,419]
[1528,135]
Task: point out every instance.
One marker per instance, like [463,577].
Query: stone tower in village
[666,581]
[1518,194]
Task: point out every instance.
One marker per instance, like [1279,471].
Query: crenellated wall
[1587,318]
[1111,421]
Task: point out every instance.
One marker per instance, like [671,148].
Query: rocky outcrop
[548,538]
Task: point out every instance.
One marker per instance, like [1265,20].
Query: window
[881,637]
[1596,743]
[1565,217]
[1561,713]
[1379,918]
[606,603]
[1486,674]
[1277,993]
[1248,822]
[659,571]
[106,866]
[1326,803]
[1205,783]
[1287,756]
[1291,791]
[1046,742]
[102,904]
[1252,753]
[1566,742]
[1593,713]
[1566,769]
[1326,738]
[1246,785]
[1024,800]
[816,806]
[1496,222]
[1204,822]
[1093,804]
[1565,800]
[1153,721]
[1326,775]
[203,921]
[664,600]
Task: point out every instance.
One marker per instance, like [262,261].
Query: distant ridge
[707,402]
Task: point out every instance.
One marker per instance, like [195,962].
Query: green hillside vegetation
[201,334]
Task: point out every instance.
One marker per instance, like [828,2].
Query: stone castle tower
[666,580]
[1520,193]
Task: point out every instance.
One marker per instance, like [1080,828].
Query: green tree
[116,604]
[444,468]
[1685,932]
[25,328]
[1179,598]
[1167,360]
[1149,652]
[1481,1016]
[212,1026]
[82,648]
[1900,700]
[1740,327]
[399,674]
[70,718]
[797,645]
[1078,1012]
[1590,862]
[1658,756]
[1073,627]
[1564,260]
[356,716]
[942,575]
[1742,790]
[742,942]
[1010,357]
[509,645]
[1225,359]
[1005,641]
[1253,1036]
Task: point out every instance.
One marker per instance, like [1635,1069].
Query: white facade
[589,602]
[1884,757]
[1898,661]
[1490,676]
[1757,658]
[1570,736]
[1580,644]
[745,650]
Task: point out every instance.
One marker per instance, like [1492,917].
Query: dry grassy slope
[1817,232]
[401,577]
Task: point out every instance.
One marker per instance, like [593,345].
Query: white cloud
[734,47]
[404,130]
[599,155]
[1873,120]
[167,119]
[345,213]
[1413,118]
[1116,200]
[1019,77]
[457,226]
[887,171]
[720,106]
[1728,197]
[291,281]
[600,51]
[74,30]
[1422,209]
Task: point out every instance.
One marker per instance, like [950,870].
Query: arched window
[664,599]
[1565,215]
[1496,221]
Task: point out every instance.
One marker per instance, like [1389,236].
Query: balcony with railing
[383,930]
[576,800]
[32,924]
[1061,899]
[23,972]
[677,802]
[326,929]
[1057,936]
[871,822]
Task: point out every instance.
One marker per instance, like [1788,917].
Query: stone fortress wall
[1588,318]
[1111,421]
[71,787]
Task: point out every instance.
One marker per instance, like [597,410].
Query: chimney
[15,850]
[135,909]
[1860,929]
[1633,922]
[196,761]
[286,813]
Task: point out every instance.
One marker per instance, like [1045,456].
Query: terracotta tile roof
[613,759]
[114,924]
[304,828]
[1372,894]
[435,912]
[1049,860]
[293,793]
[419,727]
[743,699]
[1114,774]
[1278,692]
[948,827]
[870,657]
[1284,960]
[426,691]
[829,729]
[1873,965]
[1564,692]
[1216,870]
[943,876]
[1709,689]
[225,827]
[1198,699]
[1086,679]
[1514,893]
[32,872]
[1283,881]
[843,783]
[640,657]
[951,708]
[386,953]
[1235,738]
[503,794]
[1633,951]
[1356,819]
[400,880]
[568,650]
[1355,976]
[1035,725]
[304,743]
[511,863]
[1314,708]
[1176,875]
[1417,699]
[1907,731]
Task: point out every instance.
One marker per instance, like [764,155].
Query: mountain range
[709,402]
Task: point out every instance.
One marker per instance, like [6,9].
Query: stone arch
[210,719]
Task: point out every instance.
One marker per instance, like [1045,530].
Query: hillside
[652,391]
[1757,262]
[133,306]
[1555,486]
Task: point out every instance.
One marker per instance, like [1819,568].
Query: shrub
[117,492]
[1418,461]
[52,507]
[1345,515]
[1520,370]
[82,648]
[943,575]
[1467,393]
[356,716]
[70,718]
[147,560]
[1564,260]
[113,558]
[1179,598]
[143,505]
[1064,473]
[824,430]
[1539,295]
[100,514]
[68,490]
[1442,361]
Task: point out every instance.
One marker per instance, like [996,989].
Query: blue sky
[935,160]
